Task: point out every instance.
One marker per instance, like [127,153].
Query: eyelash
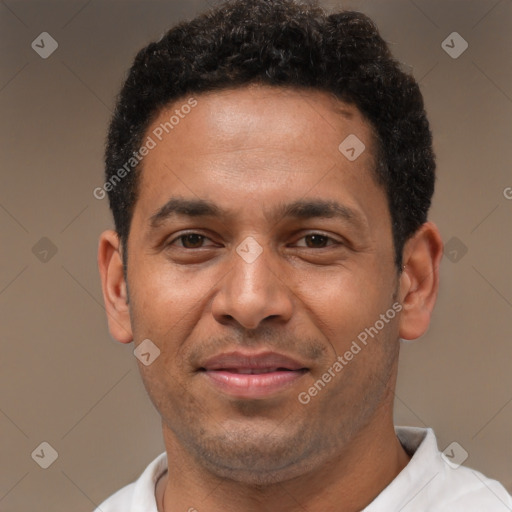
[183,235]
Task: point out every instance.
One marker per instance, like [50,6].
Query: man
[270,169]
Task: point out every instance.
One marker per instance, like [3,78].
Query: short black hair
[285,43]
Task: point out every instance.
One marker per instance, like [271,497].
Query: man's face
[254,279]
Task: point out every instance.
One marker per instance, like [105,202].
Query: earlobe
[419,281]
[110,264]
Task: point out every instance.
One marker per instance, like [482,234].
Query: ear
[419,281]
[110,263]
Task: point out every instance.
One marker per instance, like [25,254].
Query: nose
[253,291]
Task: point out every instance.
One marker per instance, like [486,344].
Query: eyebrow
[300,209]
[177,206]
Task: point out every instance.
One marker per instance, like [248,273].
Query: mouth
[253,371]
[243,375]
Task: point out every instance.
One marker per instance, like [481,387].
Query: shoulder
[119,501]
[434,481]
[467,490]
[138,496]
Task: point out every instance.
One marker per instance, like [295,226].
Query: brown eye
[191,240]
[316,240]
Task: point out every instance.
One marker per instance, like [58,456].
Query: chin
[263,475]
[257,458]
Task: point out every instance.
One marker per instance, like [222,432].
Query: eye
[318,241]
[190,240]
[196,240]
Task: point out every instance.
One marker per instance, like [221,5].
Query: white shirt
[431,482]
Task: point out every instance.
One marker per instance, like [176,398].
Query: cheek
[163,300]
[344,304]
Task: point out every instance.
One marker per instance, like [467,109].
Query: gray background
[64,381]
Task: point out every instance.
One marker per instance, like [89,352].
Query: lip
[252,375]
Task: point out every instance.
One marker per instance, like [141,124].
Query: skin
[250,150]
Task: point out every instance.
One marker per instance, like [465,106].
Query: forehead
[256,142]
[237,118]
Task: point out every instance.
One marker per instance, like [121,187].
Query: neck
[349,482]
